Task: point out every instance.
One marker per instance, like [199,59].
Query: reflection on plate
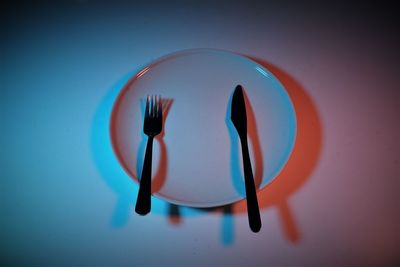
[197,160]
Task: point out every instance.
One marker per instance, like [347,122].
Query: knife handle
[143,202]
[253,210]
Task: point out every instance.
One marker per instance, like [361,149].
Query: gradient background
[65,200]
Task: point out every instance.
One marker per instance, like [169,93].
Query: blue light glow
[263,72]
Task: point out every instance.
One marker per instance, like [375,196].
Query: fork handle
[143,202]
[253,211]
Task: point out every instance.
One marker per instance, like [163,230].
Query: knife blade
[239,120]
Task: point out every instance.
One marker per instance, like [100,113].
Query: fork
[152,127]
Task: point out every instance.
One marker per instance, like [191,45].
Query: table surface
[65,200]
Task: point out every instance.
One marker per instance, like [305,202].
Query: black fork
[152,127]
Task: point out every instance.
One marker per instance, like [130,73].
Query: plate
[197,158]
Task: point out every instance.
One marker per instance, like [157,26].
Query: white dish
[198,161]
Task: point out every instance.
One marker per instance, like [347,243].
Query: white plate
[197,161]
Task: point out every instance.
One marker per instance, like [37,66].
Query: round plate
[197,160]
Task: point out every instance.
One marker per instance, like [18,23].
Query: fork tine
[159,106]
[146,112]
[153,106]
[156,106]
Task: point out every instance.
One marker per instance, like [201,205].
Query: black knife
[239,119]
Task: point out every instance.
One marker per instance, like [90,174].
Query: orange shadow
[297,170]
[302,160]
[252,134]
[161,174]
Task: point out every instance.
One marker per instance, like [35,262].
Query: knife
[239,120]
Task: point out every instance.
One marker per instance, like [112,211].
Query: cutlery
[239,120]
[152,127]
